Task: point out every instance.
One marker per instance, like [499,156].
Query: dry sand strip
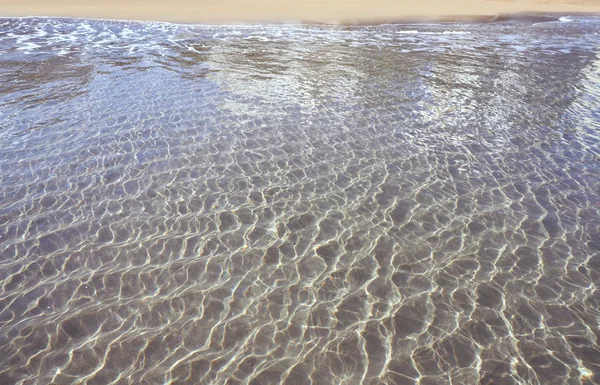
[317,11]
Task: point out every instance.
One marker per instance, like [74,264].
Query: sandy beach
[336,11]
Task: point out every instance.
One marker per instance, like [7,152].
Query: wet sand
[344,11]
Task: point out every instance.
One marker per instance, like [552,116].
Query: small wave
[565,19]
[415,32]
[27,46]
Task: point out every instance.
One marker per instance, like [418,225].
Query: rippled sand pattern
[401,204]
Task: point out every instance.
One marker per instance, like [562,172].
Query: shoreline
[483,19]
[336,12]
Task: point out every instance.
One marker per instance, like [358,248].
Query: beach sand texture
[333,11]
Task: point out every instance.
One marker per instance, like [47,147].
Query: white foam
[27,46]
[565,19]
[456,33]
[41,33]
[415,32]
[85,27]
[126,32]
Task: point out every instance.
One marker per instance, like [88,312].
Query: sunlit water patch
[393,204]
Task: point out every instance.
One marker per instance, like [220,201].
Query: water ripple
[392,204]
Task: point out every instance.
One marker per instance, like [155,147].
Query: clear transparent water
[395,204]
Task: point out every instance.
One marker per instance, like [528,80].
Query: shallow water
[393,204]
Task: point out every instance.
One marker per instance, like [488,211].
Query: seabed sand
[307,11]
